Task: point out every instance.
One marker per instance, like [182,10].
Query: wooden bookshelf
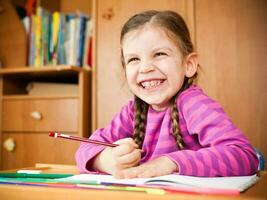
[62,112]
[65,112]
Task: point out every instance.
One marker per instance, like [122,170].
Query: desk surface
[12,192]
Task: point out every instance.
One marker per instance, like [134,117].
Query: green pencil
[25,175]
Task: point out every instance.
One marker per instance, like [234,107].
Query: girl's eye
[132,60]
[160,54]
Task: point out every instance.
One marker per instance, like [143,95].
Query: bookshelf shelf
[29,97]
[44,69]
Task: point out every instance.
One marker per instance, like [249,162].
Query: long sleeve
[222,149]
[121,126]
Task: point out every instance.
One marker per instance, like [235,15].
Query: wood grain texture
[232,45]
[56,115]
[1,133]
[13,39]
[62,112]
[76,6]
[32,148]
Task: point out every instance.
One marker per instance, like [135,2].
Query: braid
[140,114]
[175,115]
[175,125]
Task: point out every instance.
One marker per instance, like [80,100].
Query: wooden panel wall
[13,39]
[1,109]
[232,44]
[84,6]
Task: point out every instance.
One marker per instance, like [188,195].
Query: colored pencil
[70,137]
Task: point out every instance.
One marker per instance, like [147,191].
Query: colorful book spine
[54,37]
[31,40]
[81,39]
[59,39]
[72,40]
[38,29]
[87,43]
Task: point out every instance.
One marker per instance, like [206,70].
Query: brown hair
[177,30]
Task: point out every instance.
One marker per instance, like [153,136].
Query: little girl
[171,126]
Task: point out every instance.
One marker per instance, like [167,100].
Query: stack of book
[59,39]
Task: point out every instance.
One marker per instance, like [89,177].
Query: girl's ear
[191,64]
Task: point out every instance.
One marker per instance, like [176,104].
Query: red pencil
[70,137]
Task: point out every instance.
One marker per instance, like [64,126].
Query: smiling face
[154,65]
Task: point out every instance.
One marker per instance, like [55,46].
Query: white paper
[236,182]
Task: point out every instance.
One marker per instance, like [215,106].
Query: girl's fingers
[127,173]
[138,172]
[126,146]
[130,159]
[123,149]
[147,174]
[128,141]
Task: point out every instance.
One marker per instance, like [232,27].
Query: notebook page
[236,182]
[98,178]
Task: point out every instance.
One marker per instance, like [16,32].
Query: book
[173,182]
[87,43]
[81,36]
[54,37]
[57,38]
[61,54]
[71,43]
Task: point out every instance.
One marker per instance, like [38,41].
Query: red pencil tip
[52,134]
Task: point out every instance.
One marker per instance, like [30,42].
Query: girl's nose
[147,68]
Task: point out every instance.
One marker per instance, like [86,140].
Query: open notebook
[239,183]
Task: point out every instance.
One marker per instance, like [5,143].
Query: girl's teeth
[149,84]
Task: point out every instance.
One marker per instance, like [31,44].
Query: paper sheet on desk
[240,183]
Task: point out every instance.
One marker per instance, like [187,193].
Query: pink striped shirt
[213,145]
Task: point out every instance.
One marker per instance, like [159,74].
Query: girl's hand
[113,159]
[158,167]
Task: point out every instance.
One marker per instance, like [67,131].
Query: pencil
[25,175]
[70,137]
